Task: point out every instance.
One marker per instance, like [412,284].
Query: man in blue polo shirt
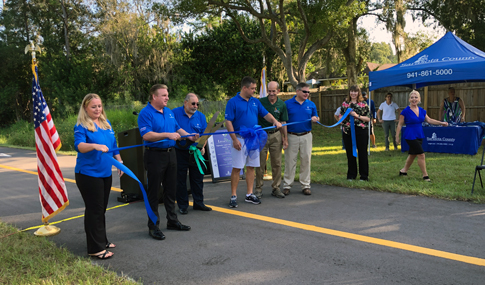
[191,121]
[157,122]
[243,110]
[299,138]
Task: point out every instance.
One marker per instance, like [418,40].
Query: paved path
[335,236]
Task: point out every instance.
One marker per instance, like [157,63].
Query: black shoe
[156,234]
[202,208]
[177,226]
[183,211]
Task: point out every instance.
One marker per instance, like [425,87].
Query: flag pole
[46,230]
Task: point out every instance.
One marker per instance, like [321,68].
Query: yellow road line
[35,173]
[71,218]
[357,237]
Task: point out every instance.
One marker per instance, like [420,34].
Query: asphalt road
[335,236]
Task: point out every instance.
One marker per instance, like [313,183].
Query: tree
[356,51]
[465,18]
[138,46]
[294,29]
[220,57]
[382,53]
[418,42]
[392,15]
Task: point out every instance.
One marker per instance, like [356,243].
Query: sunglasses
[195,103]
[306,92]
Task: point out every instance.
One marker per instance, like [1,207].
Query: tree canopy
[293,29]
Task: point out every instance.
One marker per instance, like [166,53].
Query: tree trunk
[398,34]
[66,37]
[350,54]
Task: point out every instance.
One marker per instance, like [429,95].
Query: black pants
[161,168]
[95,193]
[362,138]
[186,161]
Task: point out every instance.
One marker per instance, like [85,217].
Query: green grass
[27,259]
[451,174]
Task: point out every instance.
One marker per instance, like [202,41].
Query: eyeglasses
[304,91]
[195,103]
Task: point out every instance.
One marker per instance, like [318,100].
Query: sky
[378,33]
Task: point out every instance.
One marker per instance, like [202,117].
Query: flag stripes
[52,188]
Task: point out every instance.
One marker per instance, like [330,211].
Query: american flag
[262,89]
[52,188]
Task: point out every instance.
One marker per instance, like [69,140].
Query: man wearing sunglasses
[193,121]
[276,141]
[299,138]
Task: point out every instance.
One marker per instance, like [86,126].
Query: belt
[159,149]
[273,131]
[299,134]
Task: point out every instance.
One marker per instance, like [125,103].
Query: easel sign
[220,158]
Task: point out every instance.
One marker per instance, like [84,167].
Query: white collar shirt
[388,111]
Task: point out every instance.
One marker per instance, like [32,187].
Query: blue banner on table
[458,140]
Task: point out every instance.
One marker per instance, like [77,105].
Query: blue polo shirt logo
[171,116]
[254,105]
[308,109]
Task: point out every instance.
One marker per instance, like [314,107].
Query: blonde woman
[93,135]
[413,117]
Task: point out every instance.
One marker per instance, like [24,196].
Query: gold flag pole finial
[32,47]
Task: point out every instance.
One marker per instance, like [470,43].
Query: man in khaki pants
[299,138]
[277,140]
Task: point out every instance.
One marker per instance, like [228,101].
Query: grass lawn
[451,174]
[27,259]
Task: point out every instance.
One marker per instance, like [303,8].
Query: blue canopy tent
[449,60]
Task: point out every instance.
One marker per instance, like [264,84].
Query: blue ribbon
[352,128]
[352,134]
[254,138]
[249,134]
[127,171]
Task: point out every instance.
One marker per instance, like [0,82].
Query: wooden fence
[472,94]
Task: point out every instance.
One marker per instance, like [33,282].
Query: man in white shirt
[388,119]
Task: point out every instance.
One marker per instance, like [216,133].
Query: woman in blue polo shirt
[93,135]
[413,117]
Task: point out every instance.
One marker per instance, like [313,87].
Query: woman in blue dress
[93,136]
[413,117]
